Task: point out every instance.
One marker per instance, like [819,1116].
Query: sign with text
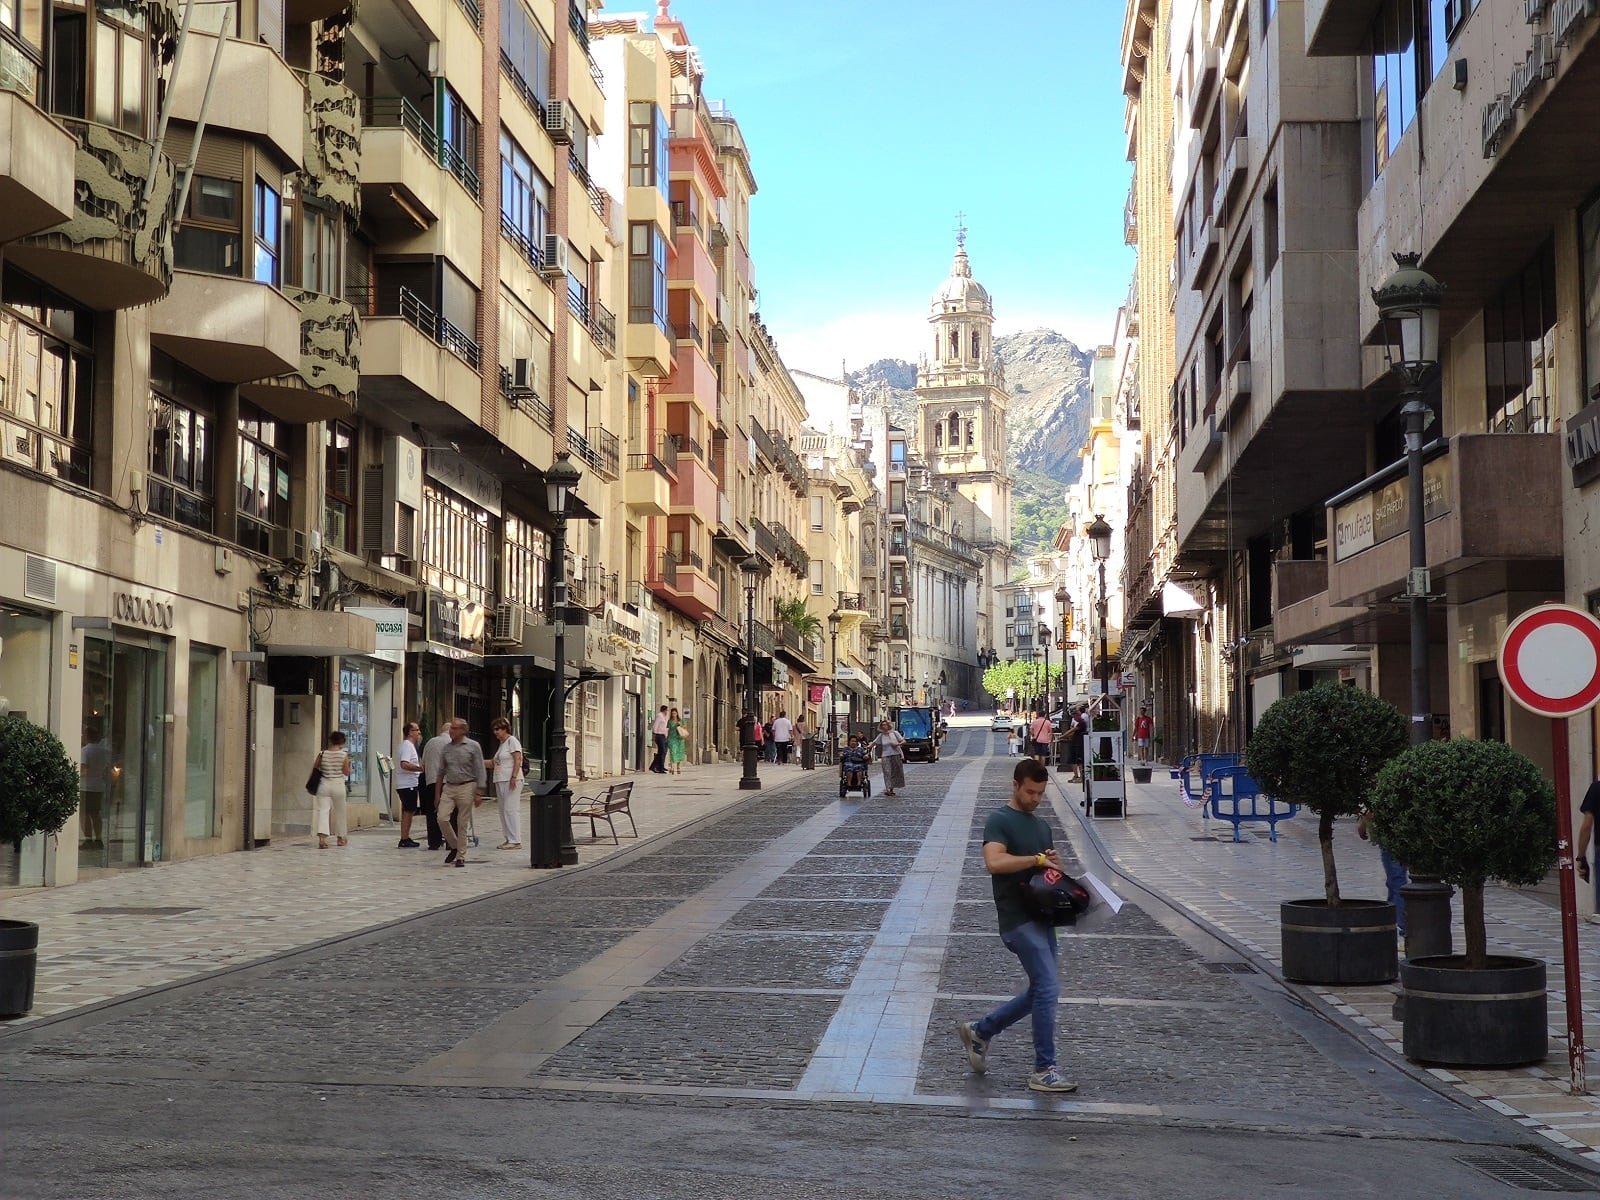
[391,640]
[1374,517]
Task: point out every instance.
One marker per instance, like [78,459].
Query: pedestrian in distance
[1078,732]
[1013,743]
[432,765]
[507,764]
[677,742]
[1016,843]
[768,746]
[758,735]
[658,731]
[1039,734]
[408,782]
[890,749]
[783,735]
[333,765]
[798,733]
[462,776]
[1395,877]
[1143,728]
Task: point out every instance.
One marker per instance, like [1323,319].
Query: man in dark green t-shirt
[1016,843]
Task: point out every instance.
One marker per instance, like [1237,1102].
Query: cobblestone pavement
[781,949]
[1236,888]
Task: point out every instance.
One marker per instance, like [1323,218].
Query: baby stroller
[853,775]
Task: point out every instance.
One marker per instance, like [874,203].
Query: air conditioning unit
[553,262]
[558,122]
[291,545]
[509,623]
[521,389]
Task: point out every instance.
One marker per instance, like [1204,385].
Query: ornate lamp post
[1044,689]
[561,480]
[1099,534]
[833,696]
[1408,305]
[749,781]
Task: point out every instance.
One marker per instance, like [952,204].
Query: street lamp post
[1044,691]
[1064,610]
[749,781]
[561,480]
[1408,305]
[1099,533]
[833,694]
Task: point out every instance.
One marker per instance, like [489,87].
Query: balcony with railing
[764,442]
[852,602]
[682,581]
[647,485]
[411,354]
[597,194]
[695,490]
[766,540]
[579,25]
[400,169]
[521,241]
[803,651]
[766,641]
[525,399]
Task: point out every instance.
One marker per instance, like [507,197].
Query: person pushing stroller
[853,762]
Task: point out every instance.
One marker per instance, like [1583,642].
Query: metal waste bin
[545,816]
[808,754]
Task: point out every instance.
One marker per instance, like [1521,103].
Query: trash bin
[808,754]
[545,816]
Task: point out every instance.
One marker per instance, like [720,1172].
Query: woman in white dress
[333,764]
[507,767]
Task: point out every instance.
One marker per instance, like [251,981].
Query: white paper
[1107,896]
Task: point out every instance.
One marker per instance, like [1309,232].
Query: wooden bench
[606,806]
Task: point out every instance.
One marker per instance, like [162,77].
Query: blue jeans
[1394,876]
[1035,947]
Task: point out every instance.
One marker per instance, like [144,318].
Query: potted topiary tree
[1322,749]
[1468,812]
[38,792]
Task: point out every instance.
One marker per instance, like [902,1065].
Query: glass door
[124,704]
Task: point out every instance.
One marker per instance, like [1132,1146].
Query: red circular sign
[1550,660]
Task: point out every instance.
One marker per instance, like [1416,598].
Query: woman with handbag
[891,753]
[331,771]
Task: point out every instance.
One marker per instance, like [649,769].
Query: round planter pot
[1353,943]
[1493,1017]
[19,957]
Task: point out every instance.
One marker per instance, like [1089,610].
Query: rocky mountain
[1048,379]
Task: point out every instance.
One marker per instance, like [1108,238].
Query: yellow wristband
[1040,861]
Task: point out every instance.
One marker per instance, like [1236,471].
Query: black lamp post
[1044,690]
[1408,305]
[561,480]
[833,693]
[1099,533]
[749,781]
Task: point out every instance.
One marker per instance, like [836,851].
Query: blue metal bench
[1232,795]
[1193,771]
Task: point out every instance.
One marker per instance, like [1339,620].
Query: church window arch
[977,344]
[938,520]
[970,425]
[955,429]
[955,344]
[938,434]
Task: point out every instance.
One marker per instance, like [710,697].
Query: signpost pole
[1569,907]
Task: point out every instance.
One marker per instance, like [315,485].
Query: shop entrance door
[124,705]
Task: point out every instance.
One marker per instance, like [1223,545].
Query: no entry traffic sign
[1550,660]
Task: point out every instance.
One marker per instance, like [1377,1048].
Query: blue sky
[871,123]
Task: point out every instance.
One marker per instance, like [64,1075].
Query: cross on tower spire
[961,229]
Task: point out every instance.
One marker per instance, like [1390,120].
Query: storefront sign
[465,478]
[1374,517]
[147,611]
[1582,442]
[391,623]
[454,622]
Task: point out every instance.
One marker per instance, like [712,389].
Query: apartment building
[1472,156]
[1313,142]
[283,362]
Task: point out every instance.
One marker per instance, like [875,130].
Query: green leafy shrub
[1322,748]
[1467,812]
[38,783]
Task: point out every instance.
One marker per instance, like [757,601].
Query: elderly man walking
[461,777]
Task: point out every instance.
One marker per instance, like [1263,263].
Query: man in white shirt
[408,780]
[659,732]
[432,764]
[783,735]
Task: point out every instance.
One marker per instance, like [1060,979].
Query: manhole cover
[1229,968]
[133,910]
[1528,1171]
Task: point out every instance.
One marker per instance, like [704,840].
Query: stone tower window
[977,345]
[955,344]
[969,433]
[955,429]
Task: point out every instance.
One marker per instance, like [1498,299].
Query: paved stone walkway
[1237,887]
[126,931]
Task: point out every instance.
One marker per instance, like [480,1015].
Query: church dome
[961,292]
